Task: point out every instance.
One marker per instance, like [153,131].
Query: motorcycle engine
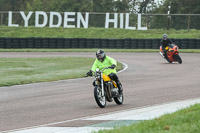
[111,91]
[114,92]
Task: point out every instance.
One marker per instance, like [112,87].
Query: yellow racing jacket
[108,61]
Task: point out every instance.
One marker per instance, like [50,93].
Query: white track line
[142,113]
[147,113]
[62,130]
[125,67]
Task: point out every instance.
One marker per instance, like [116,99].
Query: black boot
[114,77]
[119,85]
[166,57]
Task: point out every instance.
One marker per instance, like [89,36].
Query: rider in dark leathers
[164,43]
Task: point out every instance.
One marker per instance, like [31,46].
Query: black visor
[100,56]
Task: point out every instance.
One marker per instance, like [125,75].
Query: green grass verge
[94,50]
[93,33]
[183,121]
[15,71]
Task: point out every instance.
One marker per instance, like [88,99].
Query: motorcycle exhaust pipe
[161,54]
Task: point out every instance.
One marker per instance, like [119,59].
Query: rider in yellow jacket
[105,61]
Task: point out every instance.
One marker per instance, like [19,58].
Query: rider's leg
[165,55]
[114,77]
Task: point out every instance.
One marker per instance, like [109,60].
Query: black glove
[89,73]
[112,66]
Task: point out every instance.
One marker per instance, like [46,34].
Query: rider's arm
[112,61]
[161,43]
[94,66]
[170,41]
[112,66]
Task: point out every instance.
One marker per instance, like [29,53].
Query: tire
[178,58]
[169,61]
[119,99]
[100,100]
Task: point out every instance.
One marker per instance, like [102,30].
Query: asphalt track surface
[149,80]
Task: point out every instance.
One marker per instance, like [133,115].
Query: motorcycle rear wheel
[100,100]
[119,99]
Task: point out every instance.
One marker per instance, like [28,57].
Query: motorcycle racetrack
[148,80]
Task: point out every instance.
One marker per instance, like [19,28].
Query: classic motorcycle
[172,53]
[106,89]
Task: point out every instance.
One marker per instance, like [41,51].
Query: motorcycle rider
[164,43]
[102,60]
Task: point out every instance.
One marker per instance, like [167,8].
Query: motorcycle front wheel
[119,99]
[100,100]
[178,58]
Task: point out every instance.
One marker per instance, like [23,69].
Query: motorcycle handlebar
[86,75]
[105,68]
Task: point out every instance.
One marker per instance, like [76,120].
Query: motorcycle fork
[102,85]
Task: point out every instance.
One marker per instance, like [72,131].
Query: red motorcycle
[172,53]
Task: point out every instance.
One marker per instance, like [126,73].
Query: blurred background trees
[133,6]
[128,6]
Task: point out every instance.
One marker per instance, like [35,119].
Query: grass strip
[112,33]
[183,121]
[16,71]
